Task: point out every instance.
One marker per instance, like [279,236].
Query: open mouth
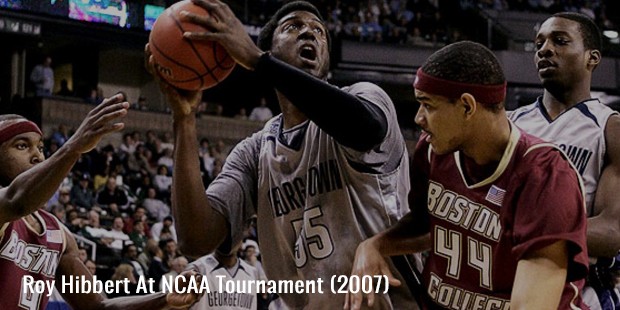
[544,64]
[308,52]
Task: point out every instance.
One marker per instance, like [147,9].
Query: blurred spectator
[95,96]
[82,254]
[157,209]
[130,255]
[51,148]
[165,160]
[177,265]
[58,211]
[42,76]
[95,232]
[128,147]
[140,104]
[64,89]
[139,214]
[162,180]
[157,268]
[122,272]
[73,221]
[164,230]
[171,251]
[146,257]
[116,233]
[242,114]
[60,135]
[82,195]
[91,266]
[111,194]
[262,112]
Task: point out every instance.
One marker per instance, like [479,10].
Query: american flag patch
[495,195]
[54,236]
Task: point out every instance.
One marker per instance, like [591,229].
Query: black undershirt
[352,121]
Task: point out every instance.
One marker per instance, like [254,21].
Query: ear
[594,58]
[469,104]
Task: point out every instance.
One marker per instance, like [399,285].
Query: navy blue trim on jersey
[527,111]
[543,110]
[584,109]
[581,106]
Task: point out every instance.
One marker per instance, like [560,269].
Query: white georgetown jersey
[579,132]
[218,297]
[316,201]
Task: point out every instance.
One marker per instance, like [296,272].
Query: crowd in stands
[118,198]
[421,22]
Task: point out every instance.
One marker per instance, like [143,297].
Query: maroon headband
[486,94]
[18,128]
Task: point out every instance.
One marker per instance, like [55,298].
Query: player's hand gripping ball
[189,65]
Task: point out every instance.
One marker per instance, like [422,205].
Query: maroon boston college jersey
[481,230]
[25,252]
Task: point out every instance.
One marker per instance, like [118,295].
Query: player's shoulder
[612,137]
[521,111]
[368,91]
[537,153]
[362,87]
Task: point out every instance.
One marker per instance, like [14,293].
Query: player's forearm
[198,233]
[603,236]
[350,120]
[401,239]
[32,189]
[151,301]
[545,268]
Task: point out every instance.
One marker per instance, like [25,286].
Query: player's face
[300,39]
[442,120]
[19,154]
[561,58]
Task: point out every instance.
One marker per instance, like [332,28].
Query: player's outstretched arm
[604,227]
[32,188]
[71,266]
[200,229]
[540,278]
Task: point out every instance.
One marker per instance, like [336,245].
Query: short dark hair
[265,37]
[590,32]
[466,62]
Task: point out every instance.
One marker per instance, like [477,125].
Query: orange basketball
[190,65]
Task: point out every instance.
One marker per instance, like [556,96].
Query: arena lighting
[611,34]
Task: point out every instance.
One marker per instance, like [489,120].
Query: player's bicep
[605,202]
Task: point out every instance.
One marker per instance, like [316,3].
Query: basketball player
[327,173]
[222,267]
[33,243]
[568,51]
[501,211]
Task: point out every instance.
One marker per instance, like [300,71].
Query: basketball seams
[184,63]
[177,22]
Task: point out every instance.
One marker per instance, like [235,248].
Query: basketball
[189,65]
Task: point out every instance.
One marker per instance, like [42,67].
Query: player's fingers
[390,277]
[148,63]
[106,102]
[217,8]
[371,298]
[110,112]
[207,21]
[346,301]
[202,36]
